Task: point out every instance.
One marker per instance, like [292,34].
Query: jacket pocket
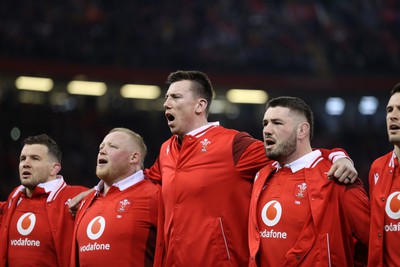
[325,251]
[221,239]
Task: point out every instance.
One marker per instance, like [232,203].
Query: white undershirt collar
[304,162]
[125,183]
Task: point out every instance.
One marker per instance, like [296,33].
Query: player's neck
[106,187]
[29,192]
[397,152]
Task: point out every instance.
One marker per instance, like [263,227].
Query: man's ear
[304,130]
[135,158]
[201,105]
[56,168]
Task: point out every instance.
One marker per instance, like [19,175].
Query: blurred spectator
[291,36]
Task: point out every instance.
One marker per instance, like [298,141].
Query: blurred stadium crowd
[290,37]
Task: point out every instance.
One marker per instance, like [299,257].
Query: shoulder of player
[150,185]
[72,190]
[384,158]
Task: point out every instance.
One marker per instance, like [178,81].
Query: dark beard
[283,149]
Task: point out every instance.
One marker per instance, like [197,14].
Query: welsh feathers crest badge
[300,190]
[124,205]
[204,145]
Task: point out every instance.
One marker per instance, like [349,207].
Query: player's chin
[28,183]
[270,154]
[175,130]
[100,172]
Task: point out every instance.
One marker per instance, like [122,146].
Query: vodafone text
[272,234]
[94,246]
[25,242]
[392,227]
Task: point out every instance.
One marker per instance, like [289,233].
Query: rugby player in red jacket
[384,191]
[116,223]
[207,172]
[298,218]
[37,226]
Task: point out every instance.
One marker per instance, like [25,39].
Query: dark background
[310,49]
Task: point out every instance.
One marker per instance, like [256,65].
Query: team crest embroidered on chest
[300,190]
[123,205]
[204,145]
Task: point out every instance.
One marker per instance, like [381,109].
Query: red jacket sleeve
[333,154]
[357,208]
[154,172]
[249,155]
[2,204]
[160,246]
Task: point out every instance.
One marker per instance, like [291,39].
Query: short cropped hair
[395,89]
[44,139]
[296,104]
[202,86]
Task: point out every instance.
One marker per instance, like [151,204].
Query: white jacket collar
[53,187]
[203,128]
[305,161]
[125,183]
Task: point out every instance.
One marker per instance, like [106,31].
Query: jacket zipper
[225,241]
[329,250]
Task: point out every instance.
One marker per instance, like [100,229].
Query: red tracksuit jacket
[331,231]
[206,187]
[130,213]
[380,181]
[60,219]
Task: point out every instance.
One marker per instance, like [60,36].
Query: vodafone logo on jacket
[271,213]
[393,205]
[94,231]
[96,227]
[26,223]
[392,209]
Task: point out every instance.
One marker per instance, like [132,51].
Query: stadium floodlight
[34,83]
[86,88]
[368,105]
[335,106]
[247,96]
[141,91]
